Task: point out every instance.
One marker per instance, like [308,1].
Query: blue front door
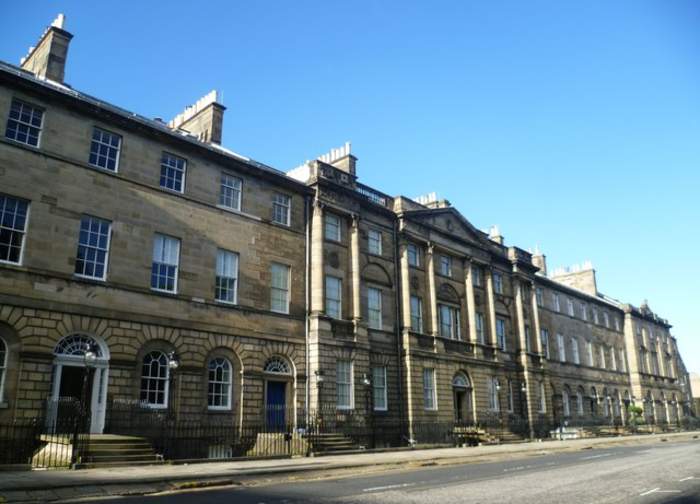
[276,405]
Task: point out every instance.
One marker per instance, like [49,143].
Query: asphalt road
[659,473]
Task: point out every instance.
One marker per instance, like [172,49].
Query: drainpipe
[307,283]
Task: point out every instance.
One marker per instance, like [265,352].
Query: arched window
[219,391]
[3,366]
[277,365]
[461,381]
[154,380]
[77,345]
[566,401]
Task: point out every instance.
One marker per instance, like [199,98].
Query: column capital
[430,248]
[318,203]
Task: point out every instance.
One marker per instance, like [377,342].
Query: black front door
[74,388]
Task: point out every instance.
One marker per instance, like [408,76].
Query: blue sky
[572,125]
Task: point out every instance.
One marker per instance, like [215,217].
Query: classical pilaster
[432,291]
[355,269]
[536,328]
[405,287]
[405,334]
[317,263]
[491,300]
[471,304]
[523,355]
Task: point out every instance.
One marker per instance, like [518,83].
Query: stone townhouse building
[179,265]
[191,279]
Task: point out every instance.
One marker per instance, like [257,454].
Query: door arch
[76,379]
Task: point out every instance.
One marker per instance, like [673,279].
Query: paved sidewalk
[45,486]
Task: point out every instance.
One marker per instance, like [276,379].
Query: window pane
[93,244]
[24,123]
[13,220]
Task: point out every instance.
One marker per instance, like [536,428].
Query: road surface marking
[650,491]
[686,479]
[597,456]
[387,487]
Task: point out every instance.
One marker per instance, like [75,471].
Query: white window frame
[227,384]
[374,242]
[331,302]
[282,289]
[416,314]
[584,312]
[497,282]
[23,231]
[493,394]
[561,347]
[230,188]
[595,316]
[603,363]
[429,390]
[544,341]
[606,319]
[510,400]
[579,403]
[374,308]
[501,339]
[344,379]
[226,272]
[575,350]
[100,142]
[452,324]
[542,406]
[477,280]
[570,306]
[556,301]
[589,350]
[413,252]
[170,161]
[158,379]
[480,330]
[379,389]
[283,202]
[613,359]
[28,125]
[96,248]
[332,227]
[445,265]
[166,249]
[539,296]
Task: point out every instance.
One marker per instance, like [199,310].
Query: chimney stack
[48,58]
[205,119]
[540,260]
[495,235]
[341,158]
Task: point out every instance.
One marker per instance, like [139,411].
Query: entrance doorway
[79,378]
[276,405]
[462,398]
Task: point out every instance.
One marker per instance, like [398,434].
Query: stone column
[432,292]
[317,263]
[471,304]
[491,299]
[405,335]
[355,269]
[535,318]
[520,313]
[405,287]
[522,354]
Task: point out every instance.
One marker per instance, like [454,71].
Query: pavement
[57,486]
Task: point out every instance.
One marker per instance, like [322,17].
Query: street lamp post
[173,365]
[81,422]
[367,382]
